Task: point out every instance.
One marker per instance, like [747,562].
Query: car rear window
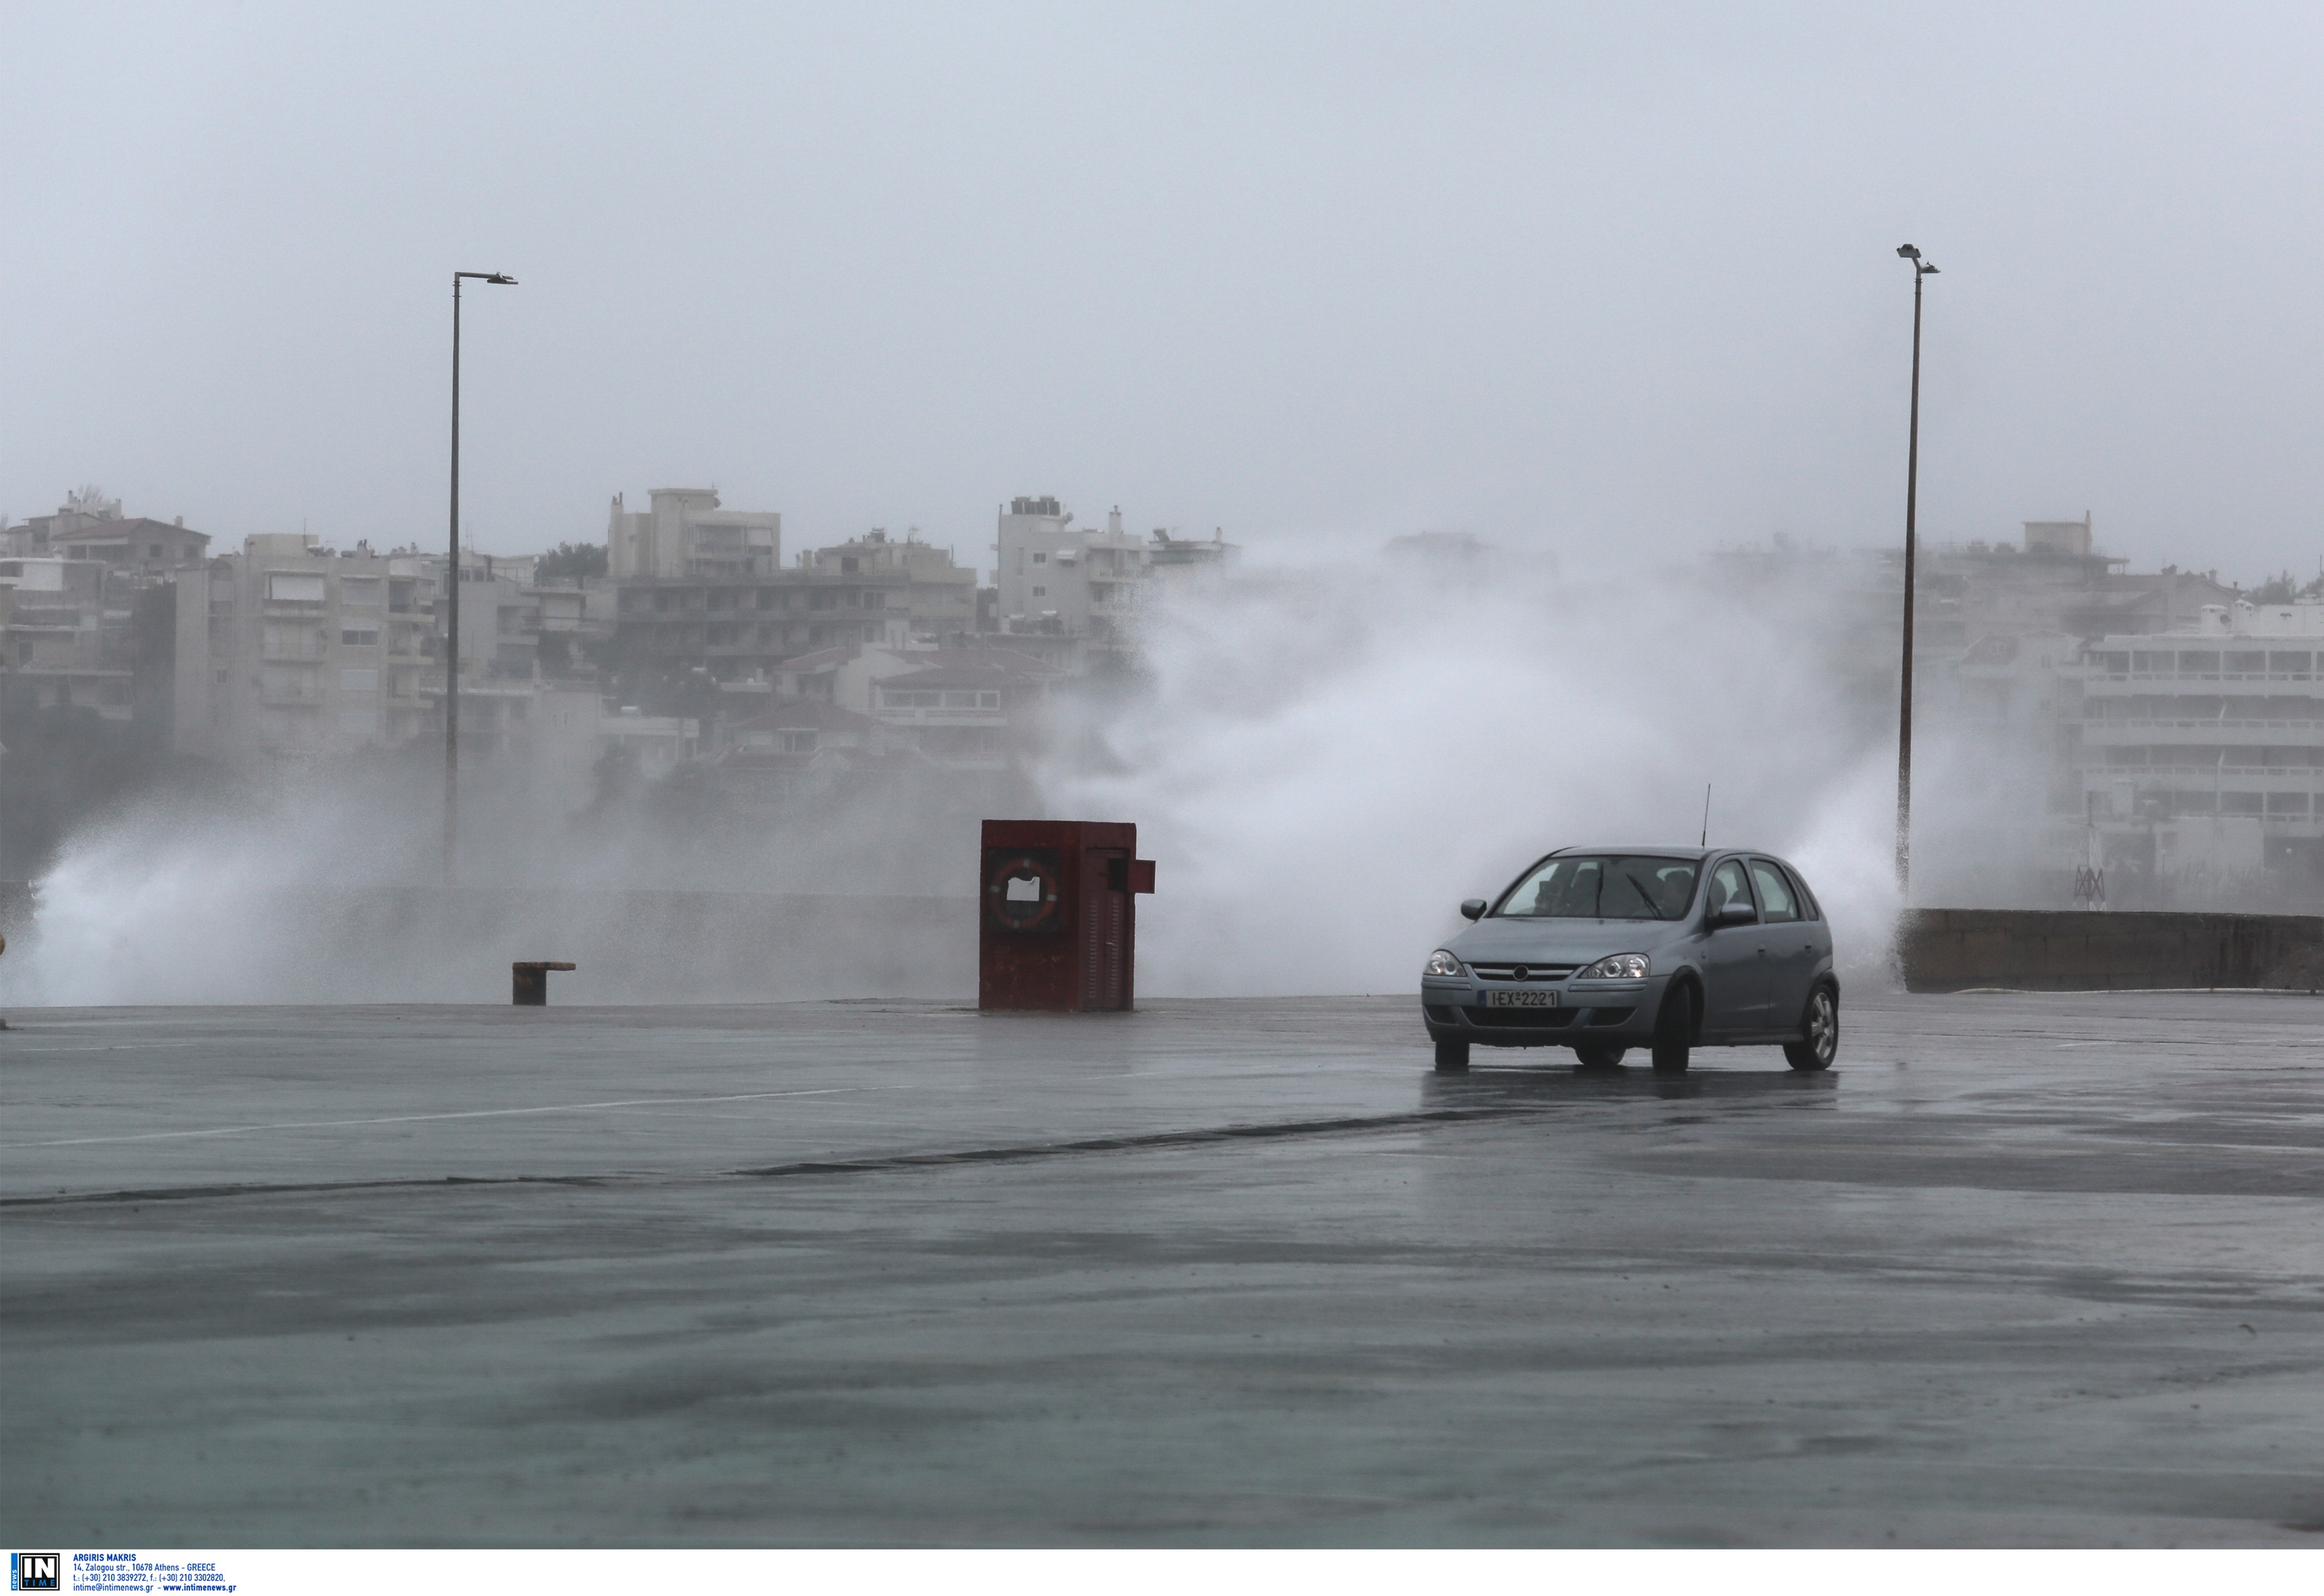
[1776,904]
[1602,887]
[1808,909]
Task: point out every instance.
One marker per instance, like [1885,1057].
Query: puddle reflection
[1578,1084]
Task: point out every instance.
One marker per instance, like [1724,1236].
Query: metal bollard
[529,980]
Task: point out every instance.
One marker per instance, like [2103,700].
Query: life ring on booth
[1022,893]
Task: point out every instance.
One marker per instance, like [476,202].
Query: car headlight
[1621,966]
[1441,963]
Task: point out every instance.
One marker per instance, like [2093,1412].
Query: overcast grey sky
[1617,276]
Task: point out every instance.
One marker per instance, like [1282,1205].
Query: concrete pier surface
[2031,1269]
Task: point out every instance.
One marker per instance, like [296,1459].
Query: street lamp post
[452,604]
[1921,270]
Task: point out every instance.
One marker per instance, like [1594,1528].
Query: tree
[570,561]
[2284,588]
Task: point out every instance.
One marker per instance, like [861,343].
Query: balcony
[2301,730]
[2099,680]
[944,717]
[2225,777]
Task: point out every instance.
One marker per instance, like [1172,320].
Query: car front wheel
[1675,1027]
[1818,1042]
[1451,1057]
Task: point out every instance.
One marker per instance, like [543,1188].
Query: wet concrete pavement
[2021,1271]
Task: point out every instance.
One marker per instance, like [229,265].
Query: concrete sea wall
[2036,950]
[406,945]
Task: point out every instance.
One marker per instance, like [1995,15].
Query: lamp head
[1908,252]
[501,277]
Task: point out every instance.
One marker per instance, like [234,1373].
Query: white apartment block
[289,651]
[1054,576]
[1054,580]
[2203,748]
[686,535]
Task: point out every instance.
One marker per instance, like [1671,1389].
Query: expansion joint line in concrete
[1155,1141]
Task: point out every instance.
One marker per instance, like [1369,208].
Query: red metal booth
[1058,915]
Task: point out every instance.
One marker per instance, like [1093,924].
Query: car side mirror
[1473,909]
[1732,914]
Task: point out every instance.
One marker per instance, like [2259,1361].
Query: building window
[365,591]
[1040,593]
[359,637]
[359,679]
[294,590]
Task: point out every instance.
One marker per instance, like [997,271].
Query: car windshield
[1603,887]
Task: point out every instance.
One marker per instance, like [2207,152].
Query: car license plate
[1520,999]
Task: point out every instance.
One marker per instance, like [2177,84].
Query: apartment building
[877,712]
[571,619]
[2202,758]
[84,608]
[850,675]
[500,618]
[88,516]
[1169,558]
[797,747]
[685,536]
[965,710]
[940,595]
[290,652]
[1073,594]
[1056,577]
[65,640]
[2052,580]
[737,631]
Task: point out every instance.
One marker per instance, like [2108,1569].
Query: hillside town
[2164,730]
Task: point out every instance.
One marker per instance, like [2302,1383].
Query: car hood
[1562,942]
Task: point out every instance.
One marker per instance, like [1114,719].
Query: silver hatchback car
[1606,949]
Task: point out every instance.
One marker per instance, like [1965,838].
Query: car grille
[1523,1018]
[1532,972]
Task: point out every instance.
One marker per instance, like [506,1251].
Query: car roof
[1661,850]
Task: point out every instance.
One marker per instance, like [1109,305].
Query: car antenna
[1706,816]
